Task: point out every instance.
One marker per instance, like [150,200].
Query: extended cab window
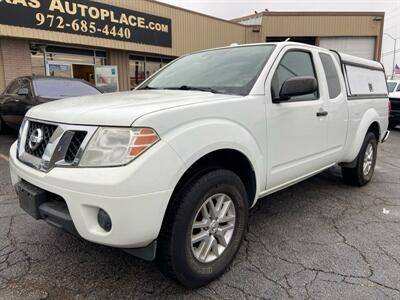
[331,74]
[294,63]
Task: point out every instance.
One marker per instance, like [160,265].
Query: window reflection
[142,67]
[136,70]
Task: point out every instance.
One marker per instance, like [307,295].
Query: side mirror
[23,92]
[297,86]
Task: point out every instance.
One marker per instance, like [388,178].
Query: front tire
[203,229]
[364,169]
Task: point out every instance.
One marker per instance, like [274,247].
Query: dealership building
[130,40]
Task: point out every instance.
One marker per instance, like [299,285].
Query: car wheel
[362,173]
[203,229]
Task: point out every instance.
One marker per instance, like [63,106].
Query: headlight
[117,146]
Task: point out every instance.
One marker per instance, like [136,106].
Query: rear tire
[363,171]
[191,216]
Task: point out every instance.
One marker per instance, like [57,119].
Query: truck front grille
[52,144]
[75,145]
[47,130]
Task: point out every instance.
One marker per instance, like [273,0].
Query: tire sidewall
[188,269]
[369,139]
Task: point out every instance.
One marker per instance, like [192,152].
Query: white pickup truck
[169,171]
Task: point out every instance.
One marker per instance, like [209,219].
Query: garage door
[358,46]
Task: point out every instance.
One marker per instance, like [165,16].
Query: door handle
[322,113]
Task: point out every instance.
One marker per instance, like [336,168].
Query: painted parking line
[4,157]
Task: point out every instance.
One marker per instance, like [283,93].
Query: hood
[117,109]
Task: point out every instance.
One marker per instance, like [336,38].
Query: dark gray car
[25,92]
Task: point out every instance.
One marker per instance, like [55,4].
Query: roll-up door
[358,46]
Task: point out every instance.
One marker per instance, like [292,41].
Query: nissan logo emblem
[35,139]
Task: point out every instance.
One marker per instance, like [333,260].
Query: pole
[394,57]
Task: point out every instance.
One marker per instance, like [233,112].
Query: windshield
[391,86]
[226,71]
[57,88]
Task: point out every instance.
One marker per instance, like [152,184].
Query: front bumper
[134,196]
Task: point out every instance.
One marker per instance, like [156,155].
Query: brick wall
[16,58]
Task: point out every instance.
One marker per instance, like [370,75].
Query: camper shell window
[364,78]
[364,81]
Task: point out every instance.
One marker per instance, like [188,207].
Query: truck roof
[350,59]
[346,58]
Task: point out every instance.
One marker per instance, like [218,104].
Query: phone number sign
[88,18]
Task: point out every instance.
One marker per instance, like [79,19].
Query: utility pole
[394,51]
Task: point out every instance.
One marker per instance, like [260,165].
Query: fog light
[104,220]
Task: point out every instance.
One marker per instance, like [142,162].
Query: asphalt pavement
[319,239]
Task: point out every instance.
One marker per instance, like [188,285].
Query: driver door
[297,128]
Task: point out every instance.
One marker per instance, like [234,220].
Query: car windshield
[226,71]
[391,86]
[58,88]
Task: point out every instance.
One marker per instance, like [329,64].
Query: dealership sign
[88,18]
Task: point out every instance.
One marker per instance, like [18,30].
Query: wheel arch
[230,159]
[375,128]
[369,123]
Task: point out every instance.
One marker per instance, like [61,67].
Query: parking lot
[317,239]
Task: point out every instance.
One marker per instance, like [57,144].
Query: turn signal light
[144,139]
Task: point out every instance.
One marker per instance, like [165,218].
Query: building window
[100,58]
[75,56]
[136,70]
[60,61]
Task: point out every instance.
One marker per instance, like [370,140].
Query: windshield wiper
[193,88]
[149,88]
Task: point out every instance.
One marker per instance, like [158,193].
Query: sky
[237,8]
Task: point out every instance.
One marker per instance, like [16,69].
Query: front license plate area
[30,198]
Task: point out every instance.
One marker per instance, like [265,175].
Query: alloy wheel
[213,228]
[368,159]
